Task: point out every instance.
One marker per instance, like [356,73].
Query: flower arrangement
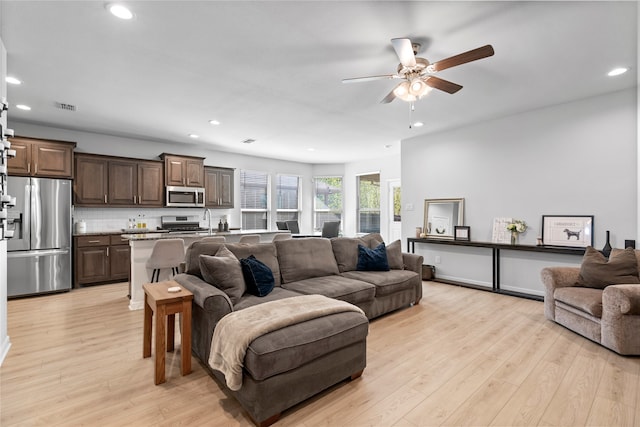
[517,226]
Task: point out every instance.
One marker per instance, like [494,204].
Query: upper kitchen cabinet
[183,171]
[41,158]
[218,185]
[118,181]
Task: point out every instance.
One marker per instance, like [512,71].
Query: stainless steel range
[181,224]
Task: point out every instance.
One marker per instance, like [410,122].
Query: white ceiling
[272,71]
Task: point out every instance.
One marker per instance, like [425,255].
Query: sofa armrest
[413,262]
[623,299]
[205,295]
[210,304]
[554,278]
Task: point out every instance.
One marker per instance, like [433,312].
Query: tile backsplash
[115,219]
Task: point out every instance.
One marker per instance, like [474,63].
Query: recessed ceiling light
[119,11]
[12,80]
[311,149]
[388,146]
[23,107]
[418,124]
[214,122]
[194,136]
[617,71]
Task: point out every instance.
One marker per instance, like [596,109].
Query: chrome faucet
[207,213]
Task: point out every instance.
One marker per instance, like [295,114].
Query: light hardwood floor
[461,357]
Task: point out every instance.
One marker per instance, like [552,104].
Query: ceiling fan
[418,73]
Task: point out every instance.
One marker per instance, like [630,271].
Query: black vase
[607,247]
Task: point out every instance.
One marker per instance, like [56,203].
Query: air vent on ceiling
[67,107]
[248,141]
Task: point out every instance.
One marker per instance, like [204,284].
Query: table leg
[146,335]
[171,331]
[161,318]
[185,337]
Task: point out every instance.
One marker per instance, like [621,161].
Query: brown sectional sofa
[301,360]
[608,316]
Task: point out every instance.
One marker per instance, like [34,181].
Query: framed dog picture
[572,231]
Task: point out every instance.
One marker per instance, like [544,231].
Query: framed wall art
[564,230]
[462,232]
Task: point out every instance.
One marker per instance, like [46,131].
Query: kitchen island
[142,244]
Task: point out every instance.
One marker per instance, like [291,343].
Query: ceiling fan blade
[370,78]
[404,50]
[390,97]
[441,84]
[463,58]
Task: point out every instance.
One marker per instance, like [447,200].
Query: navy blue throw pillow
[372,259]
[257,276]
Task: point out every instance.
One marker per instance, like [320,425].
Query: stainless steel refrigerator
[39,254]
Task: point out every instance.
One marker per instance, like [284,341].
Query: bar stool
[166,253]
[213,239]
[281,236]
[249,238]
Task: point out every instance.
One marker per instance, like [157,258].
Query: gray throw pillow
[224,272]
[598,272]
[394,255]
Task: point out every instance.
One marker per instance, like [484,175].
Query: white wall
[578,158]
[5,342]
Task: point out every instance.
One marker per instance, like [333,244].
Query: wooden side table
[165,305]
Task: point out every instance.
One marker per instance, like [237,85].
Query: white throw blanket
[238,329]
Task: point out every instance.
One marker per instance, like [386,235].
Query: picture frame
[462,233]
[574,231]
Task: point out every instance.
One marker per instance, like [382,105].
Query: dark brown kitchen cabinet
[101,259]
[218,187]
[41,158]
[118,181]
[183,171]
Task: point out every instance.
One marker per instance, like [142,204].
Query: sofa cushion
[257,276]
[291,347]
[224,272]
[386,282]
[598,272]
[305,258]
[263,252]
[248,300]
[372,239]
[345,251]
[338,287]
[372,259]
[588,300]
[394,255]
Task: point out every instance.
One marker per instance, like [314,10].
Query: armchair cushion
[586,299]
[598,272]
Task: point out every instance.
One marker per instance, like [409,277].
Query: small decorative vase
[606,251]
[514,237]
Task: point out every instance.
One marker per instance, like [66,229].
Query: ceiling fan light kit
[417,73]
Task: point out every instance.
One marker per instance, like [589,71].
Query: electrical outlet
[408,207]
[437,259]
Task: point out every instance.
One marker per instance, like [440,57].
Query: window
[327,205]
[369,203]
[288,192]
[254,195]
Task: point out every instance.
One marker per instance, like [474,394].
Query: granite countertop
[116,232]
[155,236]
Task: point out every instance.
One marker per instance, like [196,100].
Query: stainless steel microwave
[185,197]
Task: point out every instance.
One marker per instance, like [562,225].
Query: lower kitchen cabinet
[100,258]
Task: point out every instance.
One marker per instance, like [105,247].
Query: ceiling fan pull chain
[411,109]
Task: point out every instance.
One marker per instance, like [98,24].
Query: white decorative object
[500,232]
